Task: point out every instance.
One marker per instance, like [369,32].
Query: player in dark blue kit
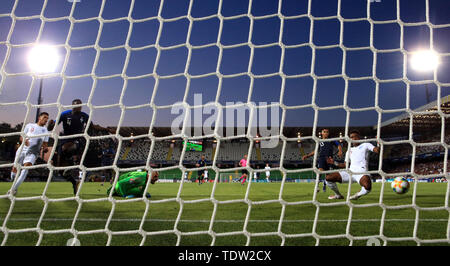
[326,150]
[201,173]
[70,150]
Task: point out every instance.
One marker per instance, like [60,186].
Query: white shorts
[353,177]
[25,157]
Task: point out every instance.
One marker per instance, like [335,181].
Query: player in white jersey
[206,175]
[358,158]
[30,150]
[267,168]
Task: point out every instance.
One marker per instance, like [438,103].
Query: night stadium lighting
[42,59]
[425,60]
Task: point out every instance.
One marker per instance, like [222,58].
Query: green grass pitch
[229,222]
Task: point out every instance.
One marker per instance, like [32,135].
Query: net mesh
[315,48]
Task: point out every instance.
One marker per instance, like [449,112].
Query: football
[400,185]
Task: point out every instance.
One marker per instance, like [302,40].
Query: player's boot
[335,196]
[354,197]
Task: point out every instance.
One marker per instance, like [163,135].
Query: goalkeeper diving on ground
[133,184]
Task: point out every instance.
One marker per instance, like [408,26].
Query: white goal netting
[307,46]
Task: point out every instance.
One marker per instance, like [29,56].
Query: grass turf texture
[264,217]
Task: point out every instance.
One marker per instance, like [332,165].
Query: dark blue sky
[237,30]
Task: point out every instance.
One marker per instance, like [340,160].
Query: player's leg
[13,173]
[19,160]
[68,151]
[323,166]
[198,178]
[244,176]
[332,179]
[28,160]
[366,186]
[21,178]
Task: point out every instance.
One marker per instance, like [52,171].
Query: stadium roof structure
[427,118]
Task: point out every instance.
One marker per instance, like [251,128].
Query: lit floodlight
[425,60]
[43,59]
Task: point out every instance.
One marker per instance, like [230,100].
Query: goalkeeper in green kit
[132,184]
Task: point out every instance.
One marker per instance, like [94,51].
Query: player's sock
[22,176]
[13,176]
[333,186]
[324,186]
[363,192]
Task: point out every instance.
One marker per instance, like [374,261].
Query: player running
[357,157]
[133,184]
[243,163]
[326,149]
[31,148]
[201,172]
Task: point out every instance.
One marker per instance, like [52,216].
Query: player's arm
[373,148]
[340,151]
[377,148]
[51,125]
[21,140]
[154,177]
[330,160]
[45,147]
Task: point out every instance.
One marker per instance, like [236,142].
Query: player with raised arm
[133,184]
[357,157]
[326,149]
[31,149]
[201,172]
[243,163]
[69,151]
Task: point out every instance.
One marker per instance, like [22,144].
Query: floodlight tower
[425,61]
[42,59]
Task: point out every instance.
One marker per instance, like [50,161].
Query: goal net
[171,80]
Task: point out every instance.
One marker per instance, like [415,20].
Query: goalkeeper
[132,184]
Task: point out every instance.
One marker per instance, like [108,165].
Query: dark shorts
[244,171]
[322,163]
[79,142]
[200,174]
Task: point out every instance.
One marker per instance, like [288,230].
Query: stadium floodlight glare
[43,58]
[425,60]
